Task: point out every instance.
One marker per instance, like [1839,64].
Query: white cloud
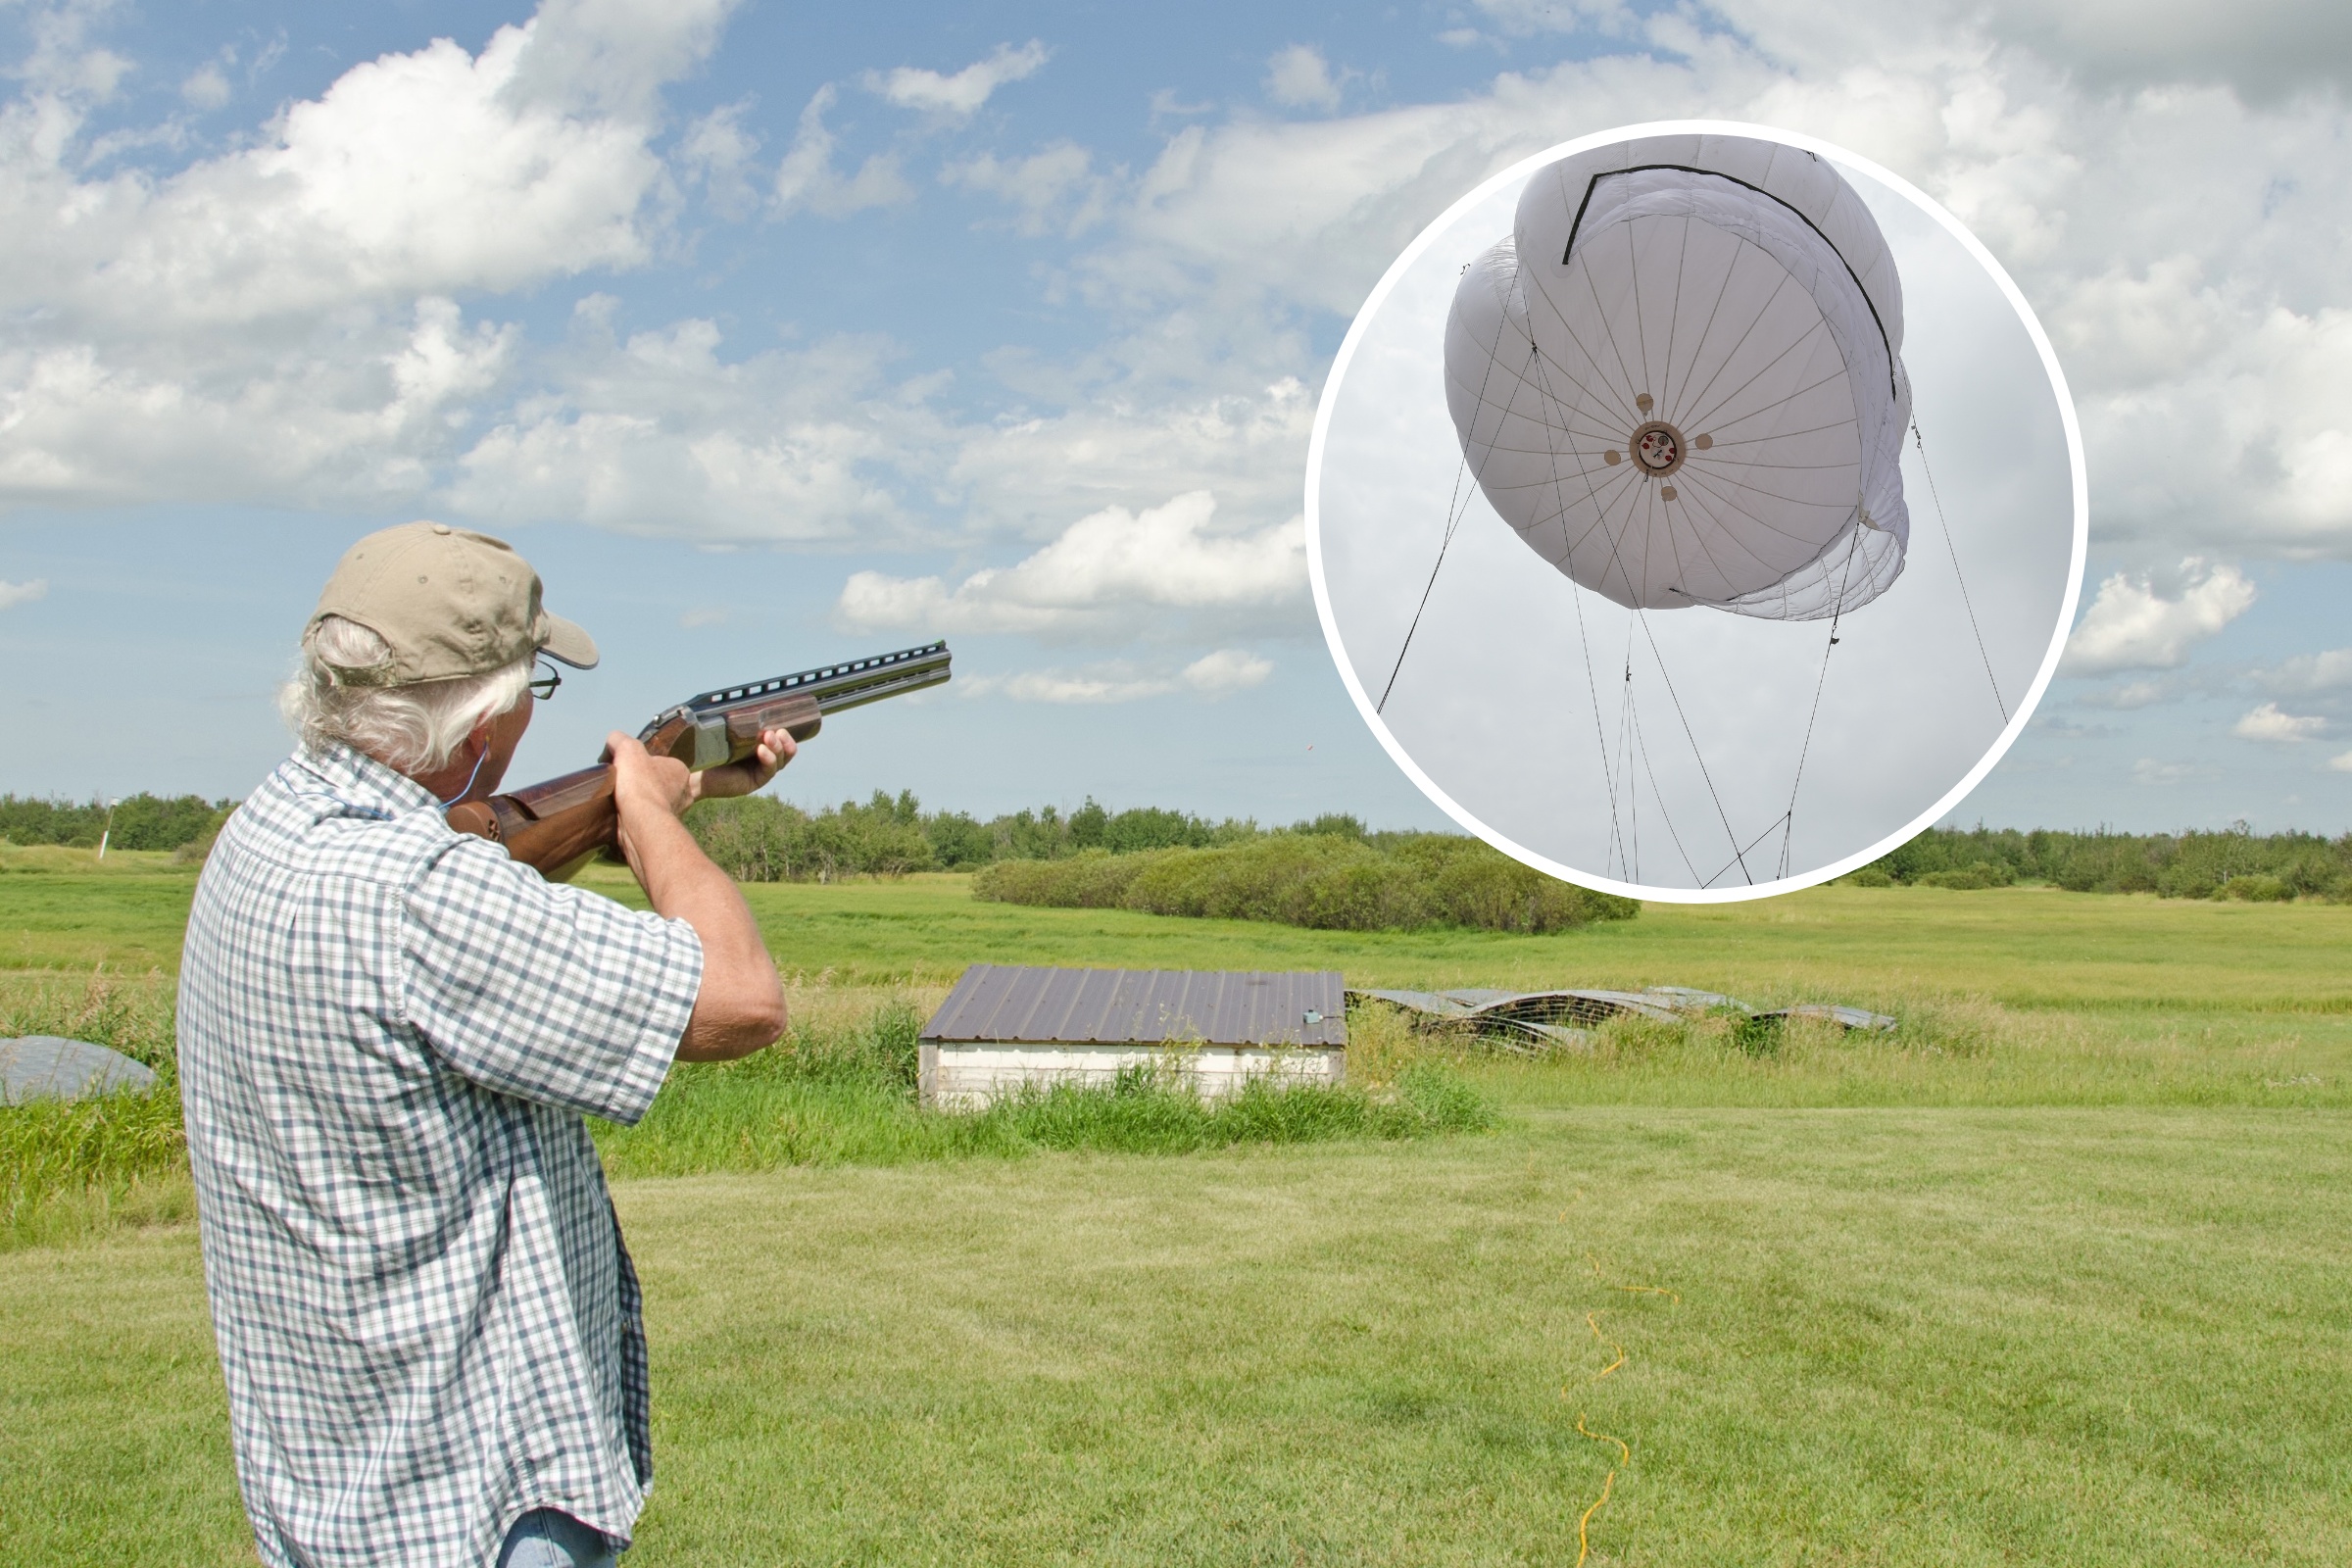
[1139,439]
[277,324]
[2130,626]
[1524,18]
[718,151]
[806,179]
[362,416]
[1228,669]
[1096,574]
[12,594]
[2148,770]
[963,93]
[1058,177]
[2310,672]
[2264,50]
[660,435]
[433,172]
[1213,675]
[2342,763]
[2268,724]
[206,87]
[1298,77]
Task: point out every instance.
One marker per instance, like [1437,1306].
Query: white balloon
[1681,378]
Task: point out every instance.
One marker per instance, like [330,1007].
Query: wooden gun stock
[561,824]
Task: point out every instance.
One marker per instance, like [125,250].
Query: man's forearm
[740,1009]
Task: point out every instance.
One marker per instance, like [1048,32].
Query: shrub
[2256,888]
[1870,876]
[1983,874]
[1323,881]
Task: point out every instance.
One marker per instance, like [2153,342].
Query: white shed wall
[967,1075]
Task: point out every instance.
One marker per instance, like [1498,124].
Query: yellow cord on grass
[1625,1452]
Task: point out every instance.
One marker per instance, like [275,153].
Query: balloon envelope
[1681,378]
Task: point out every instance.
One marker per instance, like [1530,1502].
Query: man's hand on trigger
[776,748]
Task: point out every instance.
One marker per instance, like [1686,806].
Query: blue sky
[775,334]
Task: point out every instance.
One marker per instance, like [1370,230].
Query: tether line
[1739,855]
[1921,442]
[1837,613]
[1642,742]
[1458,507]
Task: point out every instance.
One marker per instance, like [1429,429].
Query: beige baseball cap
[449,601]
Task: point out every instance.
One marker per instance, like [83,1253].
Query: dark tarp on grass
[45,1068]
[1539,1021]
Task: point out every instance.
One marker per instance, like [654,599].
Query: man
[389,1035]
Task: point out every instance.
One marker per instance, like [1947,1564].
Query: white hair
[414,729]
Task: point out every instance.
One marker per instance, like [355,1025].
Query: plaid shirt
[388,1035]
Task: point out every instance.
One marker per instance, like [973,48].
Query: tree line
[2235,862]
[141,821]
[761,839]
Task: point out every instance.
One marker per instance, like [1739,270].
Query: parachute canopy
[1681,378]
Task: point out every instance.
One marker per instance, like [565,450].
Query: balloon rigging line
[1601,517]
[1610,772]
[1921,442]
[1745,333]
[1769,828]
[1584,644]
[1642,741]
[1625,754]
[1453,520]
[1853,543]
[1456,509]
[1739,855]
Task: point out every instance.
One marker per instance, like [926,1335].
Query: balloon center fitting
[1658,448]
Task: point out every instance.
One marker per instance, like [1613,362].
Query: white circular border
[2058,388]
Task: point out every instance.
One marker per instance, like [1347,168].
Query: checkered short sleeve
[550,993]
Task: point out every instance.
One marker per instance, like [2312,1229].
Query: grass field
[2054,1276]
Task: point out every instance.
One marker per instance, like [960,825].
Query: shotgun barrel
[561,824]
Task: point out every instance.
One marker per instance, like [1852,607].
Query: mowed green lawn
[2101,1318]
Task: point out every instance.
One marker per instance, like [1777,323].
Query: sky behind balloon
[776,334]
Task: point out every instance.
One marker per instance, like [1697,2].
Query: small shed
[1004,1027]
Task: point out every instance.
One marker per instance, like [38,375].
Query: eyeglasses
[543,686]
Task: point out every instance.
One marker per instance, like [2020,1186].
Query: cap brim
[566,641]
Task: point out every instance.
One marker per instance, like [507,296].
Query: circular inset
[1703,701]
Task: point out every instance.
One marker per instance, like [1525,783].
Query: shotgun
[559,825]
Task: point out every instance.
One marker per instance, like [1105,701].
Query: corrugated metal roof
[1142,1007]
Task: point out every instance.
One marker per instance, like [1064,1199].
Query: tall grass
[839,1090]
[71,1167]
[842,1090]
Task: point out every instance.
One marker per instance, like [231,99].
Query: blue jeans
[547,1538]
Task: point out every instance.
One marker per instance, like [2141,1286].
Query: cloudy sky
[776,334]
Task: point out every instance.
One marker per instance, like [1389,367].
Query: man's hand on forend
[776,748]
